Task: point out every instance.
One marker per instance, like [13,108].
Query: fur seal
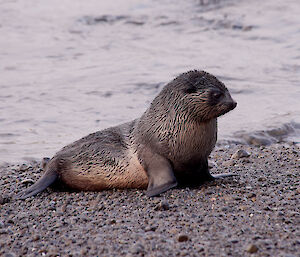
[167,146]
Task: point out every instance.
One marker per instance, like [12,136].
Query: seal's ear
[160,174]
[190,87]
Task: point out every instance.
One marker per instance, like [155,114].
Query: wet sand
[255,214]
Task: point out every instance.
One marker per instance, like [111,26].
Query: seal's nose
[233,105]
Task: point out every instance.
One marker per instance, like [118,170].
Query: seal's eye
[217,95]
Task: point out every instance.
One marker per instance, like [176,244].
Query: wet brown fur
[179,128]
[102,160]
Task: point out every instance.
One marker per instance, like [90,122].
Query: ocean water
[70,67]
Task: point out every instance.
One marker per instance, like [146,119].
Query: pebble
[228,163]
[45,161]
[9,254]
[182,238]
[27,181]
[212,164]
[127,223]
[36,238]
[256,237]
[3,231]
[162,206]
[137,249]
[240,154]
[4,199]
[251,195]
[23,167]
[150,228]
[251,248]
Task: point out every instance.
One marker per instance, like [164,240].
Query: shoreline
[254,214]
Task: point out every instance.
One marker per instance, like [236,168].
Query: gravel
[255,214]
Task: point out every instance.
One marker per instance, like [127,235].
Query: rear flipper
[46,180]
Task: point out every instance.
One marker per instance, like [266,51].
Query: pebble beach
[253,214]
[72,67]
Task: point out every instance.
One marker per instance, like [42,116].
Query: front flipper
[206,176]
[160,174]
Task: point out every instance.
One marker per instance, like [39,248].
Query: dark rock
[36,238]
[182,238]
[162,206]
[4,199]
[234,240]
[150,228]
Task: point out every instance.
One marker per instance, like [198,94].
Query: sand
[255,214]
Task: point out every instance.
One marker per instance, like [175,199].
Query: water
[69,67]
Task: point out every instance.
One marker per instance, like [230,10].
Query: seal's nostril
[234,104]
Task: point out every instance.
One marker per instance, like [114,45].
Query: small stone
[251,248]
[27,181]
[173,231]
[23,167]
[10,221]
[3,231]
[228,163]
[9,254]
[150,228]
[261,179]
[267,208]
[240,154]
[35,238]
[257,237]
[251,195]
[182,238]
[4,199]
[112,221]
[234,240]
[137,249]
[246,161]
[162,206]
[45,162]
[212,164]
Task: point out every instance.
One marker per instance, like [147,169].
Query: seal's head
[201,95]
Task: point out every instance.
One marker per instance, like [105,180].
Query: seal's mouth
[227,107]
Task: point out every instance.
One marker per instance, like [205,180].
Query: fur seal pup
[168,145]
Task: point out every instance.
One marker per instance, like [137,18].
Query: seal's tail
[46,180]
